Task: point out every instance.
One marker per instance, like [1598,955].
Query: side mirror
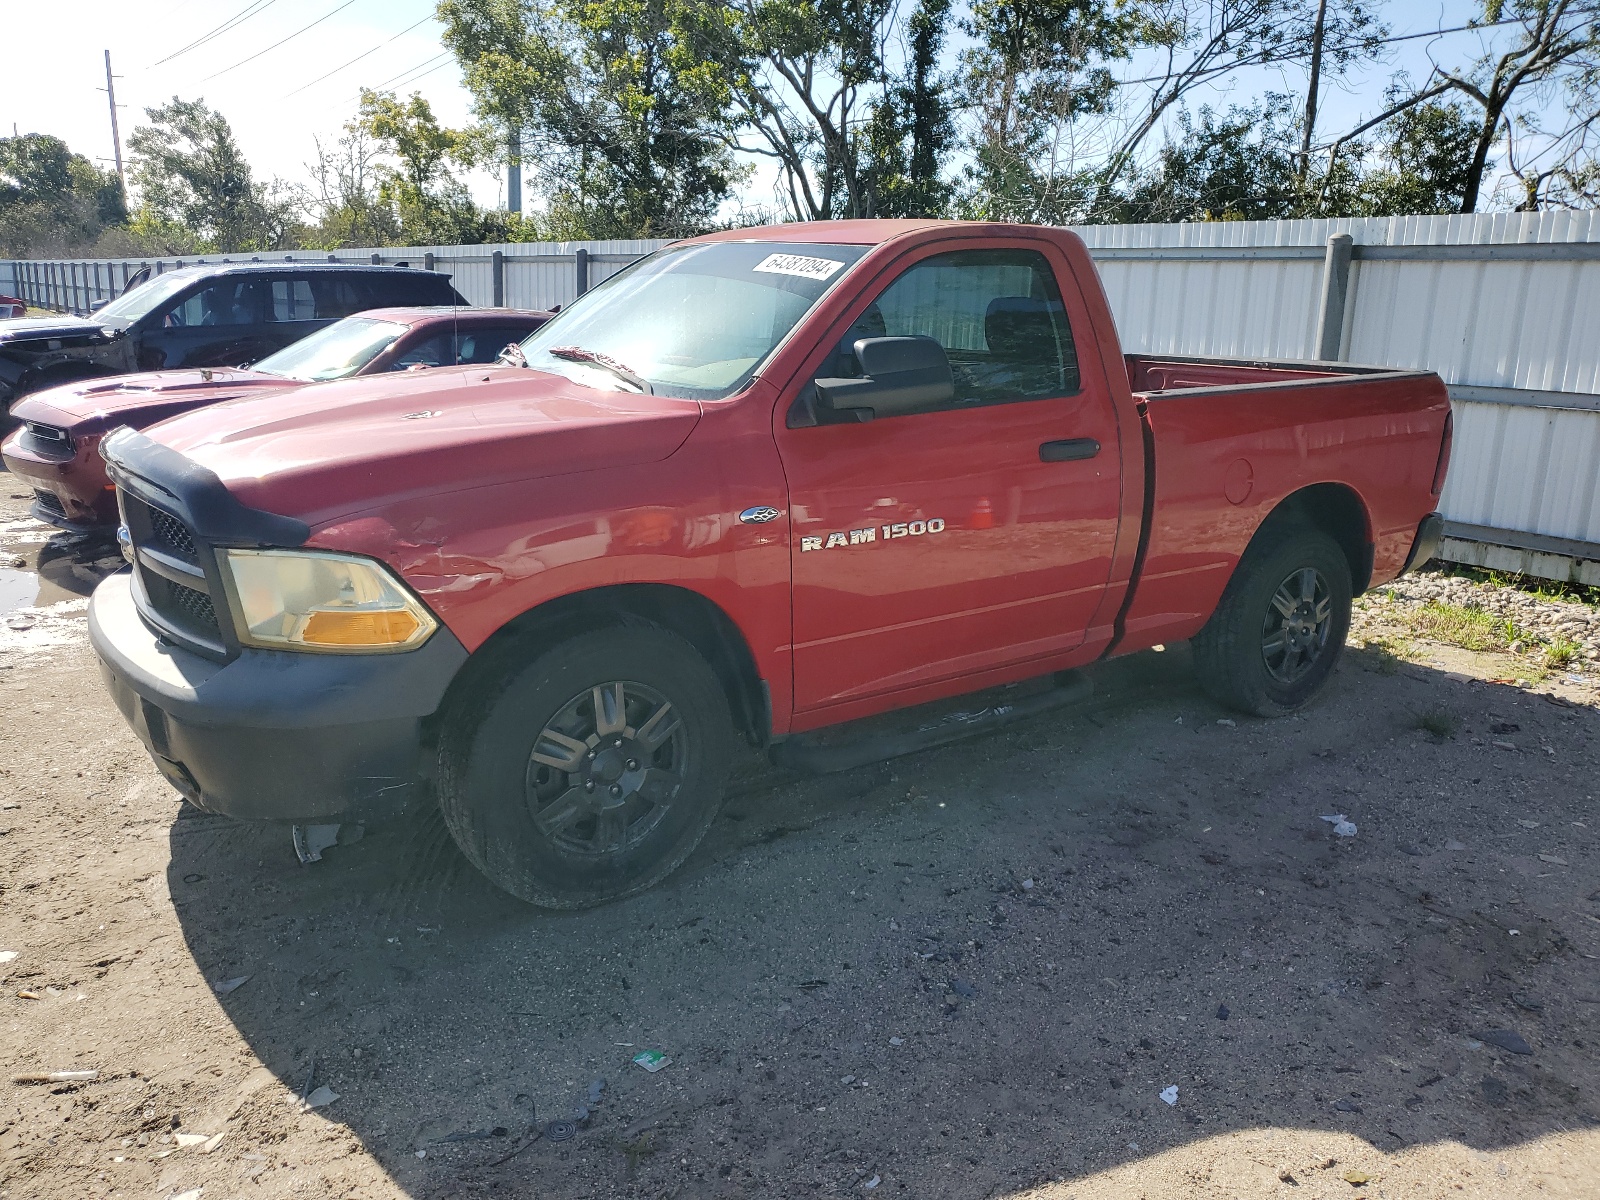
[98,305]
[900,375]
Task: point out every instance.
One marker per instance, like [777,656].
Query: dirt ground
[970,973]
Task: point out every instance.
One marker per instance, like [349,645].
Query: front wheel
[1280,626]
[590,771]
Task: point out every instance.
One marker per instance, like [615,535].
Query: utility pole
[514,171]
[116,138]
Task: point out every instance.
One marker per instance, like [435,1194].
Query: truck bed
[1149,374]
[1229,440]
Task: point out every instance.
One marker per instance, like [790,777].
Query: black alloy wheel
[607,768]
[583,770]
[1295,632]
[1280,626]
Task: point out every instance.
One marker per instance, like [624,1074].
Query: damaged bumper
[274,735]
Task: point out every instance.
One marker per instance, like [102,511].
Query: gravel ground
[1548,620]
[972,972]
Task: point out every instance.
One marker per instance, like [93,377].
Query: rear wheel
[590,771]
[1280,626]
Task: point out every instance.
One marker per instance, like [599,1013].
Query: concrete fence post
[580,270]
[427,260]
[499,267]
[1335,287]
[377,260]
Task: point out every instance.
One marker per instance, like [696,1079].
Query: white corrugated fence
[1504,306]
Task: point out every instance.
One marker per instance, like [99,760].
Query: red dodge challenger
[56,450]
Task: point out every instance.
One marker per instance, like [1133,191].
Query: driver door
[940,544]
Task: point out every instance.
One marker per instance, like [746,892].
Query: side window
[335,296]
[229,302]
[403,290]
[997,313]
[484,345]
[292,300]
[430,352]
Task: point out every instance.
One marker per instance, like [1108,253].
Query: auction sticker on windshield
[797,264]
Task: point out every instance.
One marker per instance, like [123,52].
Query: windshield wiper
[579,354]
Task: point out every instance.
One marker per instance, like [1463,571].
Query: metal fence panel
[1243,308]
[1493,316]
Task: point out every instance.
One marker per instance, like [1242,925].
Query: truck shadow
[972,970]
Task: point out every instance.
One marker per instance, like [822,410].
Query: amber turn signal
[335,627]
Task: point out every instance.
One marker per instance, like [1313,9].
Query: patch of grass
[1560,653]
[1457,625]
[1440,722]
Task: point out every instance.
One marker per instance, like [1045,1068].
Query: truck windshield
[340,349]
[692,321]
[136,302]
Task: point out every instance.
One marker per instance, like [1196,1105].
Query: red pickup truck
[760,484]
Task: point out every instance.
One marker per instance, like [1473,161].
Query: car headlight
[319,600]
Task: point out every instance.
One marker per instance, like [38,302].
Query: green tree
[1236,167]
[1422,162]
[342,199]
[52,199]
[1557,40]
[911,131]
[1034,70]
[196,190]
[624,118]
[425,200]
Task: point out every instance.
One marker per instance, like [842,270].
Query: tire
[1255,657]
[612,804]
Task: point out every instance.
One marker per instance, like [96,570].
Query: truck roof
[850,233]
[242,268]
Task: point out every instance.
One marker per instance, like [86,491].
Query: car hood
[140,400]
[324,453]
[24,329]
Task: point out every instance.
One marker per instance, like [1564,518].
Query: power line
[407,78]
[233,22]
[426,62]
[359,57]
[275,45]
[424,75]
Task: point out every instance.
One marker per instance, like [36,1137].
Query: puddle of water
[58,579]
[18,589]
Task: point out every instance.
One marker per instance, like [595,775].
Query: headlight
[318,600]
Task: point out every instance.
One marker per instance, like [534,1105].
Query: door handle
[1069,450]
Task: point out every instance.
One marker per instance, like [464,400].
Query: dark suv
[222,315]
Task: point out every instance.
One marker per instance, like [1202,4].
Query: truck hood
[328,452]
[27,329]
[140,400]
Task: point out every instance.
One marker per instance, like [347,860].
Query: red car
[11,306]
[56,451]
[757,486]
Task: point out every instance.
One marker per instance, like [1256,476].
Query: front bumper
[72,493]
[274,735]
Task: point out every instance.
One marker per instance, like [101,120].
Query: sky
[277,101]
